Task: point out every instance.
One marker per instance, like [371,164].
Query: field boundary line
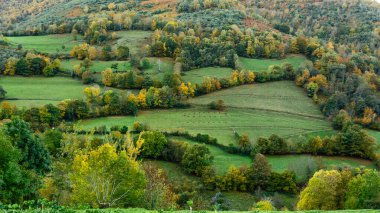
[270,110]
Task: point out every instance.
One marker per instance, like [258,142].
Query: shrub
[217,105]
[196,158]
[263,205]
[88,77]
[154,143]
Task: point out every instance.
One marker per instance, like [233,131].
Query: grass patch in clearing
[97,66]
[261,65]
[197,75]
[158,68]
[47,43]
[282,96]
[134,39]
[281,163]
[37,91]
[375,134]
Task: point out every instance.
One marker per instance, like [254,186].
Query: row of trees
[351,141]
[85,50]
[352,24]
[217,47]
[32,64]
[196,160]
[96,104]
[348,84]
[192,6]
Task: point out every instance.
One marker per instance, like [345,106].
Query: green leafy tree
[196,158]
[33,153]
[354,141]
[107,178]
[341,120]
[2,92]
[363,191]
[122,52]
[322,191]
[107,53]
[22,67]
[260,172]
[52,141]
[37,65]
[154,143]
[16,183]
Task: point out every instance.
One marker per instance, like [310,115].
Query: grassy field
[375,134]
[158,68]
[98,66]
[47,43]
[197,75]
[221,125]
[134,39]
[258,110]
[36,91]
[273,96]
[255,113]
[261,65]
[282,163]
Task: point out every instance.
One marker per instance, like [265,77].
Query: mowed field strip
[97,66]
[37,91]
[198,75]
[62,43]
[261,65]
[257,110]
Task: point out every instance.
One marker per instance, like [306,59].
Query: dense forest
[158,105]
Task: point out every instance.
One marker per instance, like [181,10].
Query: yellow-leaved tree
[322,192]
[107,176]
[107,77]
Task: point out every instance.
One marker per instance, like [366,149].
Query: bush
[273,145]
[154,144]
[196,158]
[217,105]
[139,127]
[220,202]
[174,151]
[124,129]
[115,128]
[263,205]
[88,77]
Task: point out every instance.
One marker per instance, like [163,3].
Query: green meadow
[60,43]
[37,91]
[136,40]
[198,75]
[251,109]
[97,66]
[261,65]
